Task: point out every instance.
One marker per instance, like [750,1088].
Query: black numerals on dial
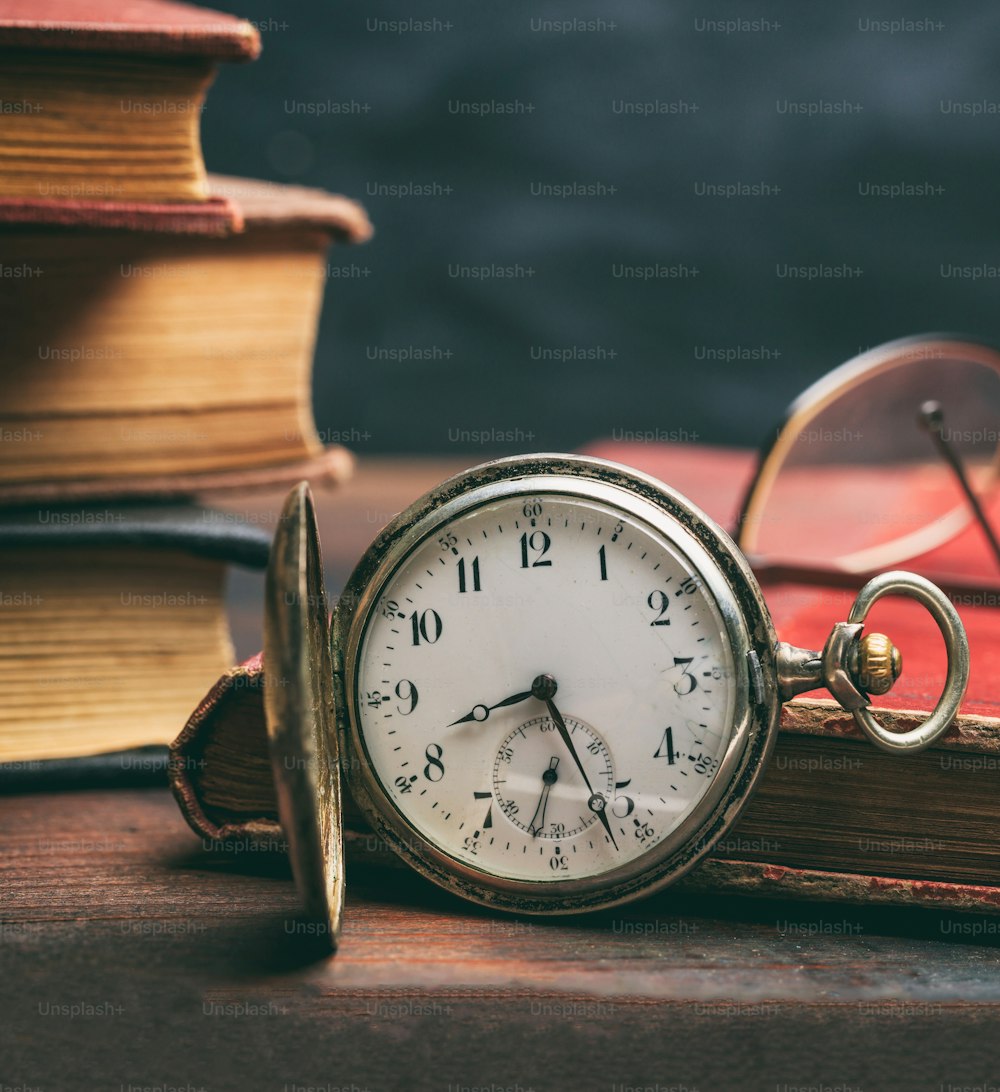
[658,601]
[623,801]
[407,693]
[427,626]
[704,764]
[666,748]
[434,770]
[468,579]
[534,547]
[687,682]
[488,821]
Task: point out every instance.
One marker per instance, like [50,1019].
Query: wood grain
[198,972]
[108,899]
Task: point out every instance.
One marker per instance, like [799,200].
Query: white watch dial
[457,727]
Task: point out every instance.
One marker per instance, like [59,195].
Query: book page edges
[330,467]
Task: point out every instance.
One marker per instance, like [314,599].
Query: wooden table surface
[133,956]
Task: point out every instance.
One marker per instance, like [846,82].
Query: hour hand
[479,713]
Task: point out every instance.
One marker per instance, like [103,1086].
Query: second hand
[549,778]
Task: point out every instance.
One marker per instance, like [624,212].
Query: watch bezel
[737,596]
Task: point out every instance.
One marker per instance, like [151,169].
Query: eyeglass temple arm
[955,587]
[932,419]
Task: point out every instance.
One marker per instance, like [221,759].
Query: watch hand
[549,778]
[480,713]
[544,688]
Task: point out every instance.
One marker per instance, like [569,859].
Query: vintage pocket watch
[551,685]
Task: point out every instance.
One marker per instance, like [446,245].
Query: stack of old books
[159,326]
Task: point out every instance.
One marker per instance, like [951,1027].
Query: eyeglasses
[891,457]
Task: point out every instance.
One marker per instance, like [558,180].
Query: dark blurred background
[589,218]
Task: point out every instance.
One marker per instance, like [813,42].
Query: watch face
[547,691]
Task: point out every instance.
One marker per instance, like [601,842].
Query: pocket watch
[551,685]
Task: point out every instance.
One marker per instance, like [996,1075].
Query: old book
[104,100]
[112,623]
[156,353]
[834,819]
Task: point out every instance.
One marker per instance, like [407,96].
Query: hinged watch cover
[298,708]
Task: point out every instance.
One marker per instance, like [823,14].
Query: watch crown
[879,663]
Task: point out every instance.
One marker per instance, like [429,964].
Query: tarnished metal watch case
[748,629]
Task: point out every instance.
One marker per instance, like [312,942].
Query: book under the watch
[834,819]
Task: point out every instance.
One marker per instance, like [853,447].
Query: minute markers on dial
[610,676]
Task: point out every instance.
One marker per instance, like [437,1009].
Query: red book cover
[160,27]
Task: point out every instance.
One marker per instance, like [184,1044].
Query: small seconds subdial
[538,786]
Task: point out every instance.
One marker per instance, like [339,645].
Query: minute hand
[567,739]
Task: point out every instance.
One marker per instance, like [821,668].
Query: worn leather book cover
[160,27]
[232,206]
[835,819]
